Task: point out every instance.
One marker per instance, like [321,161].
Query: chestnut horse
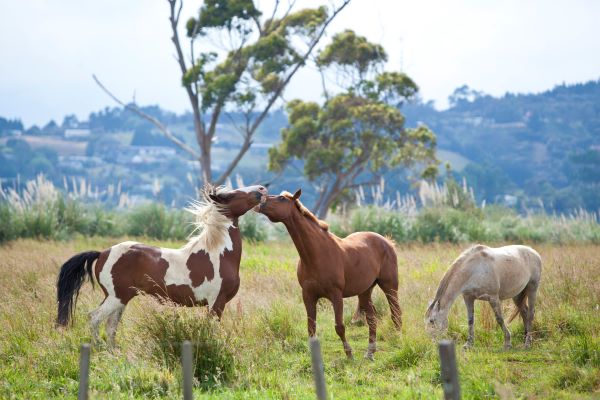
[203,272]
[335,268]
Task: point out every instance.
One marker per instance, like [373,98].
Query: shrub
[167,327]
[156,221]
[449,225]
[385,222]
[253,227]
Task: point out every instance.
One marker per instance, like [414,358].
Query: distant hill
[535,146]
[531,148]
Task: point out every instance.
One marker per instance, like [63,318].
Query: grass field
[265,329]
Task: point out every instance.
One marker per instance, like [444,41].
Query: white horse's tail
[518,308]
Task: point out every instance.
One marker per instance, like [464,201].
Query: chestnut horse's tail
[71,277]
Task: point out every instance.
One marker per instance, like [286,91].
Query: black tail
[70,279]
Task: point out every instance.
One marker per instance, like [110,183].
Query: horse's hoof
[507,346]
[349,356]
[369,356]
[467,346]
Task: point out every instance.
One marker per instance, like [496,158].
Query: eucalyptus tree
[236,57]
[359,133]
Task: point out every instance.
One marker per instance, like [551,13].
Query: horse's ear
[431,305]
[428,308]
[297,194]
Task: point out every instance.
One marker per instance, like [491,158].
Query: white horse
[489,274]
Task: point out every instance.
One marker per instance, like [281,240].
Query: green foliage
[448,225]
[253,228]
[269,49]
[165,329]
[224,13]
[156,221]
[386,223]
[351,50]
[359,131]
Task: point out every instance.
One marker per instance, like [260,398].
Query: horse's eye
[431,321]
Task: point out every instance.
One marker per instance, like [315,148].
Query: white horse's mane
[210,223]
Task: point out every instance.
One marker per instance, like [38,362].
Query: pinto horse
[203,272]
[335,268]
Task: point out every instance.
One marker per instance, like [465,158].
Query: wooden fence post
[84,372]
[317,367]
[449,372]
[188,374]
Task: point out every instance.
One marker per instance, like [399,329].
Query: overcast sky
[50,48]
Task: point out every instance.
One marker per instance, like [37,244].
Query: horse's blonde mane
[210,222]
[451,272]
[305,211]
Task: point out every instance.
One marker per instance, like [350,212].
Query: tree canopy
[356,135]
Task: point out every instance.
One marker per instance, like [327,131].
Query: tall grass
[259,348]
[448,214]
[167,326]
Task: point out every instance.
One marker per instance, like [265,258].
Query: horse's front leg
[338,309]
[310,303]
[495,303]
[470,304]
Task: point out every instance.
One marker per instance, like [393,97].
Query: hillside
[519,149]
[532,146]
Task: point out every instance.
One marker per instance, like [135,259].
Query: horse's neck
[454,288]
[308,237]
[233,237]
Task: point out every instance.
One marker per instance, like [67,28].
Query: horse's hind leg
[108,306]
[496,306]
[111,325]
[470,304]
[520,303]
[391,293]
[366,305]
[531,296]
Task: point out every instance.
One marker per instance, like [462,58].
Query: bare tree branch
[135,109]
[248,143]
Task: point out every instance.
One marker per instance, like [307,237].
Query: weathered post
[449,372]
[84,372]
[317,368]
[188,375]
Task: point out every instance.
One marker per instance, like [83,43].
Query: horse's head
[237,202]
[436,318]
[279,208]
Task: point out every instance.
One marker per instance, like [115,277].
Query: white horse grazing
[489,274]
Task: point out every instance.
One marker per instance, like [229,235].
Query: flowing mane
[209,222]
[450,273]
[306,212]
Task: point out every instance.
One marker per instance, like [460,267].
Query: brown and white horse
[203,272]
[335,268]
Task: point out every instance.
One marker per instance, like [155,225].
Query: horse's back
[381,247]
[515,267]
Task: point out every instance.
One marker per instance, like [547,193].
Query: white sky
[50,48]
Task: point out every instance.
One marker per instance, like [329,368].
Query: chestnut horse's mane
[305,211]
